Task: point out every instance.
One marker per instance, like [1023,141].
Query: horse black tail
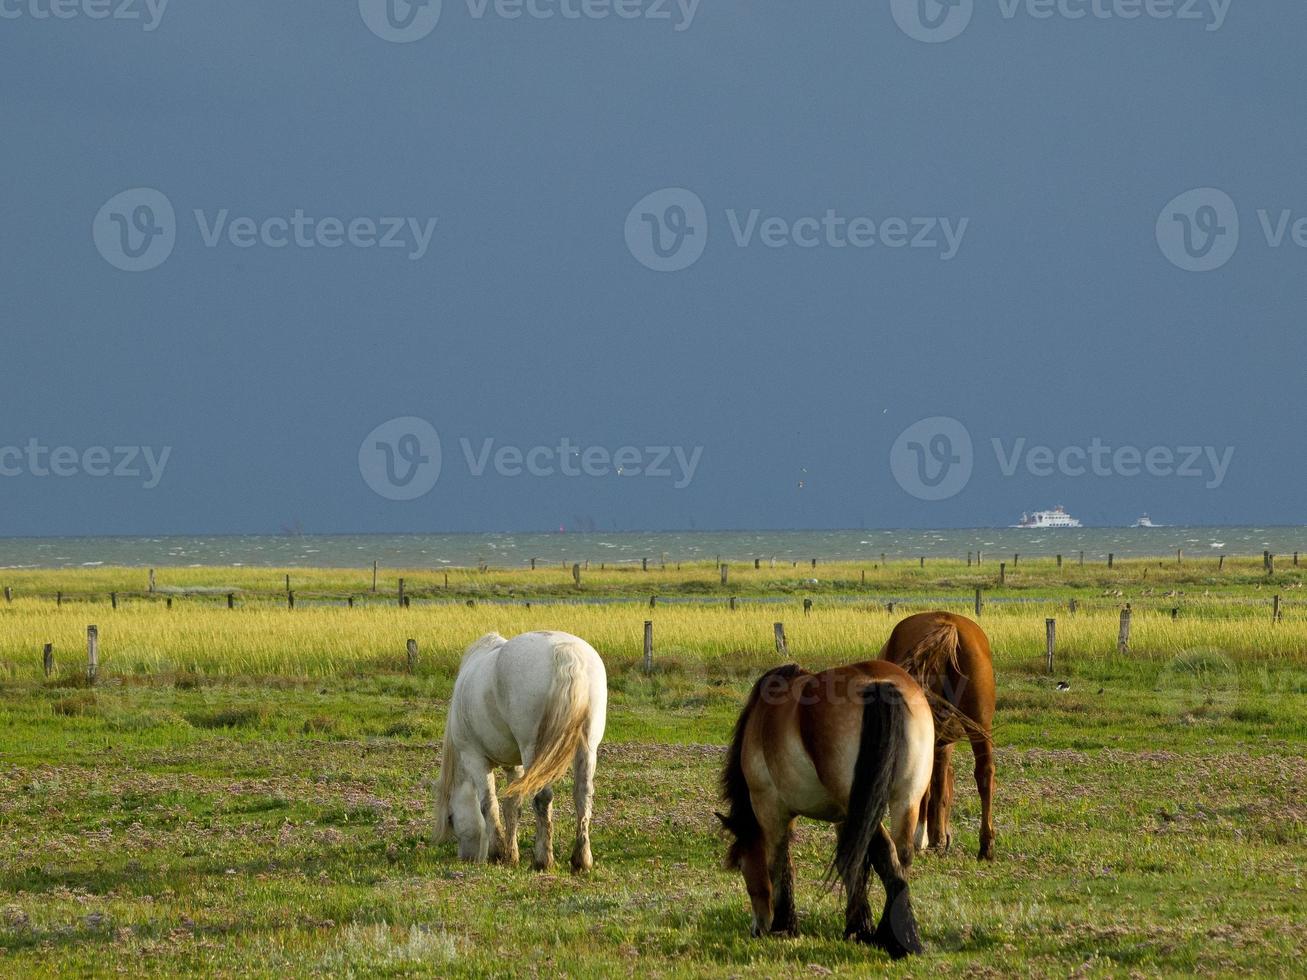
[884,718]
[740,819]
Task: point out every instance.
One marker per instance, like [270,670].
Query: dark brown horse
[847,746]
[948,655]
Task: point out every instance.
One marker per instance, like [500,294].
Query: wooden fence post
[1270,565]
[1071,605]
[807,606]
[113,599]
[9,594]
[732,603]
[349,601]
[47,659]
[374,575]
[533,564]
[168,603]
[653,601]
[1016,560]
[1275,610]
[779,630]
[648,645]
[58,598]
[231,600]
[980,602]
[411,648]
[1082,557]
[968,559]
[151,579]
[922,561]
[287,582]
[757,564]
[1050,640]
[576,574]
[290,600]
[889,608]
[1220,563]
[1002,572]
[1175,613]
[644,564]
[864,576]
[1179,556]
[723,570]
[92,654]
[1123,635]
[1110,558]
[1059,563]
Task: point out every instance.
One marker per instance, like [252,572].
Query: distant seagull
[1063,686]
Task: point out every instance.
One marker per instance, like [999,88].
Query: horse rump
[563,725]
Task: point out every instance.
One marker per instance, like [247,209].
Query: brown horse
[846,746]
[948,655]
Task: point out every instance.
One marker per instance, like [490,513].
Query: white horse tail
[445,787]
[563,726]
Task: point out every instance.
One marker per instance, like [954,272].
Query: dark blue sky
[528,319]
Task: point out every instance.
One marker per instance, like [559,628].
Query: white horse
[534,705]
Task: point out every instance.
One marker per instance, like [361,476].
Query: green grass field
[248,791]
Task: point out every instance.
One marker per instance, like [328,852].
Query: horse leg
[897,932]
[583,793]
[983,749]
[919,839]
[941,799]
[511,809]
[904,816]
[543,804]
[784,917]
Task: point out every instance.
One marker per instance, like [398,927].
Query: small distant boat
[1057,517]
[1146,521]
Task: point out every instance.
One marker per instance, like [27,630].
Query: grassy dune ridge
[247,791]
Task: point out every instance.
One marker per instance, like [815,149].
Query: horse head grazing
[848,746]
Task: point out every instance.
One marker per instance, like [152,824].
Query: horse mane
[740,819]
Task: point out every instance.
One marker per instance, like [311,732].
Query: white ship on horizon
[1057,517]
[1146,521]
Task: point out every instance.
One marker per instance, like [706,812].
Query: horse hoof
[581,867]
